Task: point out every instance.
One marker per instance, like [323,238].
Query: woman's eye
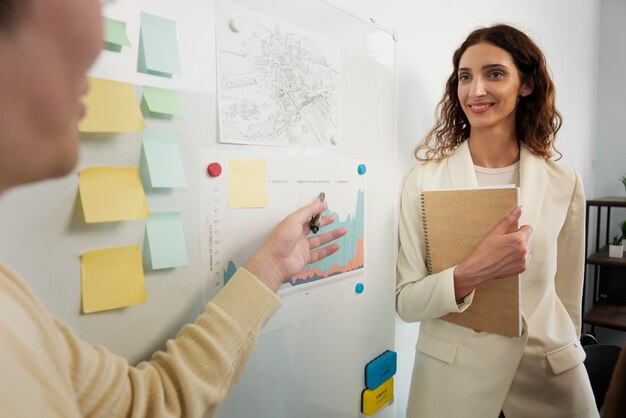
[496,74]
[464,77]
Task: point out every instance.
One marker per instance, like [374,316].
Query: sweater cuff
[248,300]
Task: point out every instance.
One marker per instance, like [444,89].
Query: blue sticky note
[165,240]
[158,46]
[381,369]
[161,160]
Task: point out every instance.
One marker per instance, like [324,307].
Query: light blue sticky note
[161,155]
[166,240]
[158,46]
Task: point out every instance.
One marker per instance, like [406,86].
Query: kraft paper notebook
[455,222]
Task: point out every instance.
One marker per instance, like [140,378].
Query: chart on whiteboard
[231,235]
[277,84]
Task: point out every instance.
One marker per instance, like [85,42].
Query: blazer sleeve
[571,256]
[420,295]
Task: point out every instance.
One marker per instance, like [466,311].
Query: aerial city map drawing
[277,84]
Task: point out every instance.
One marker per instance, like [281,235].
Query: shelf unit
[604,312]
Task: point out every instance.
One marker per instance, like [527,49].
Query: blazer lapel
[533,173]
[461,167]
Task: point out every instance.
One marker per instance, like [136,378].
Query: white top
[497,176]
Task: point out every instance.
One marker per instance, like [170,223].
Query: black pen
[314,223]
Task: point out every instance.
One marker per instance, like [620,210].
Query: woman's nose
[478,88]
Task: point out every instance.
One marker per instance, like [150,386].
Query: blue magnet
[359,288]
[362,169]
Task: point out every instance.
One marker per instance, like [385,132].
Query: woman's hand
[287,250]
[501,254]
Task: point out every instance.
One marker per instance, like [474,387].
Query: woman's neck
[493,150]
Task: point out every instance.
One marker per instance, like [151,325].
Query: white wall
[610,158]
[611,137]
[429,32]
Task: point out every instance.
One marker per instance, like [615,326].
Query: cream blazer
[462,373]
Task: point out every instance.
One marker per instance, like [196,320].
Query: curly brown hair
[537,119]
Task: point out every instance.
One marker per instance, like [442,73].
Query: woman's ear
[525,90]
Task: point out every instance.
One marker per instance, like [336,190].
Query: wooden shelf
[619,202]
[607,314]
[604,313]
[602,258]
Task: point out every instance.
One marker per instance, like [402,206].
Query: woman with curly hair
[497,124]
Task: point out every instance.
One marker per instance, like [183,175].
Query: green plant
[622,226]
[617,240]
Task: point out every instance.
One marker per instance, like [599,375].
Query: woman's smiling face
[489,87]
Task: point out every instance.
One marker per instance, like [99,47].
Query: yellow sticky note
[110,194]
[112,278]
[111,106]
[247,184]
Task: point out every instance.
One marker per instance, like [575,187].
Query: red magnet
[214,169]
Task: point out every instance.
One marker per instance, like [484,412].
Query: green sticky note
[165,240]
[115,35]
[160,103]
[161,157]
[158,46]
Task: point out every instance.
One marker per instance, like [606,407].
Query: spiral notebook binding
[425,226]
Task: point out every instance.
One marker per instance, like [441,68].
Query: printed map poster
[277,84]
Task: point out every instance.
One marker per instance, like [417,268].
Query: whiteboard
[313,368]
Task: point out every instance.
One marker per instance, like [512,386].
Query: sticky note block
[115,35]
[160,103]
[161,155]
[158,46]
[380,369]
[110,194]
[112,278]
[166,240]
[111,106]
[374,399]
[247,184]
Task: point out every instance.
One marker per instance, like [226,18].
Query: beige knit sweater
[46,371]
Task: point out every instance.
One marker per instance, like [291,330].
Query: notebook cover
[455,222]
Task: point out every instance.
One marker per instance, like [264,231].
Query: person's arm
[571,256]
[422,296]
[193,376]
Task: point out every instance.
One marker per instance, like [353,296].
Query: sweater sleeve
[571,256]
[195,373]
[420,295]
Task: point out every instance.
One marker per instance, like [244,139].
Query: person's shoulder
[422,168]
[560,171]
[564,180]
